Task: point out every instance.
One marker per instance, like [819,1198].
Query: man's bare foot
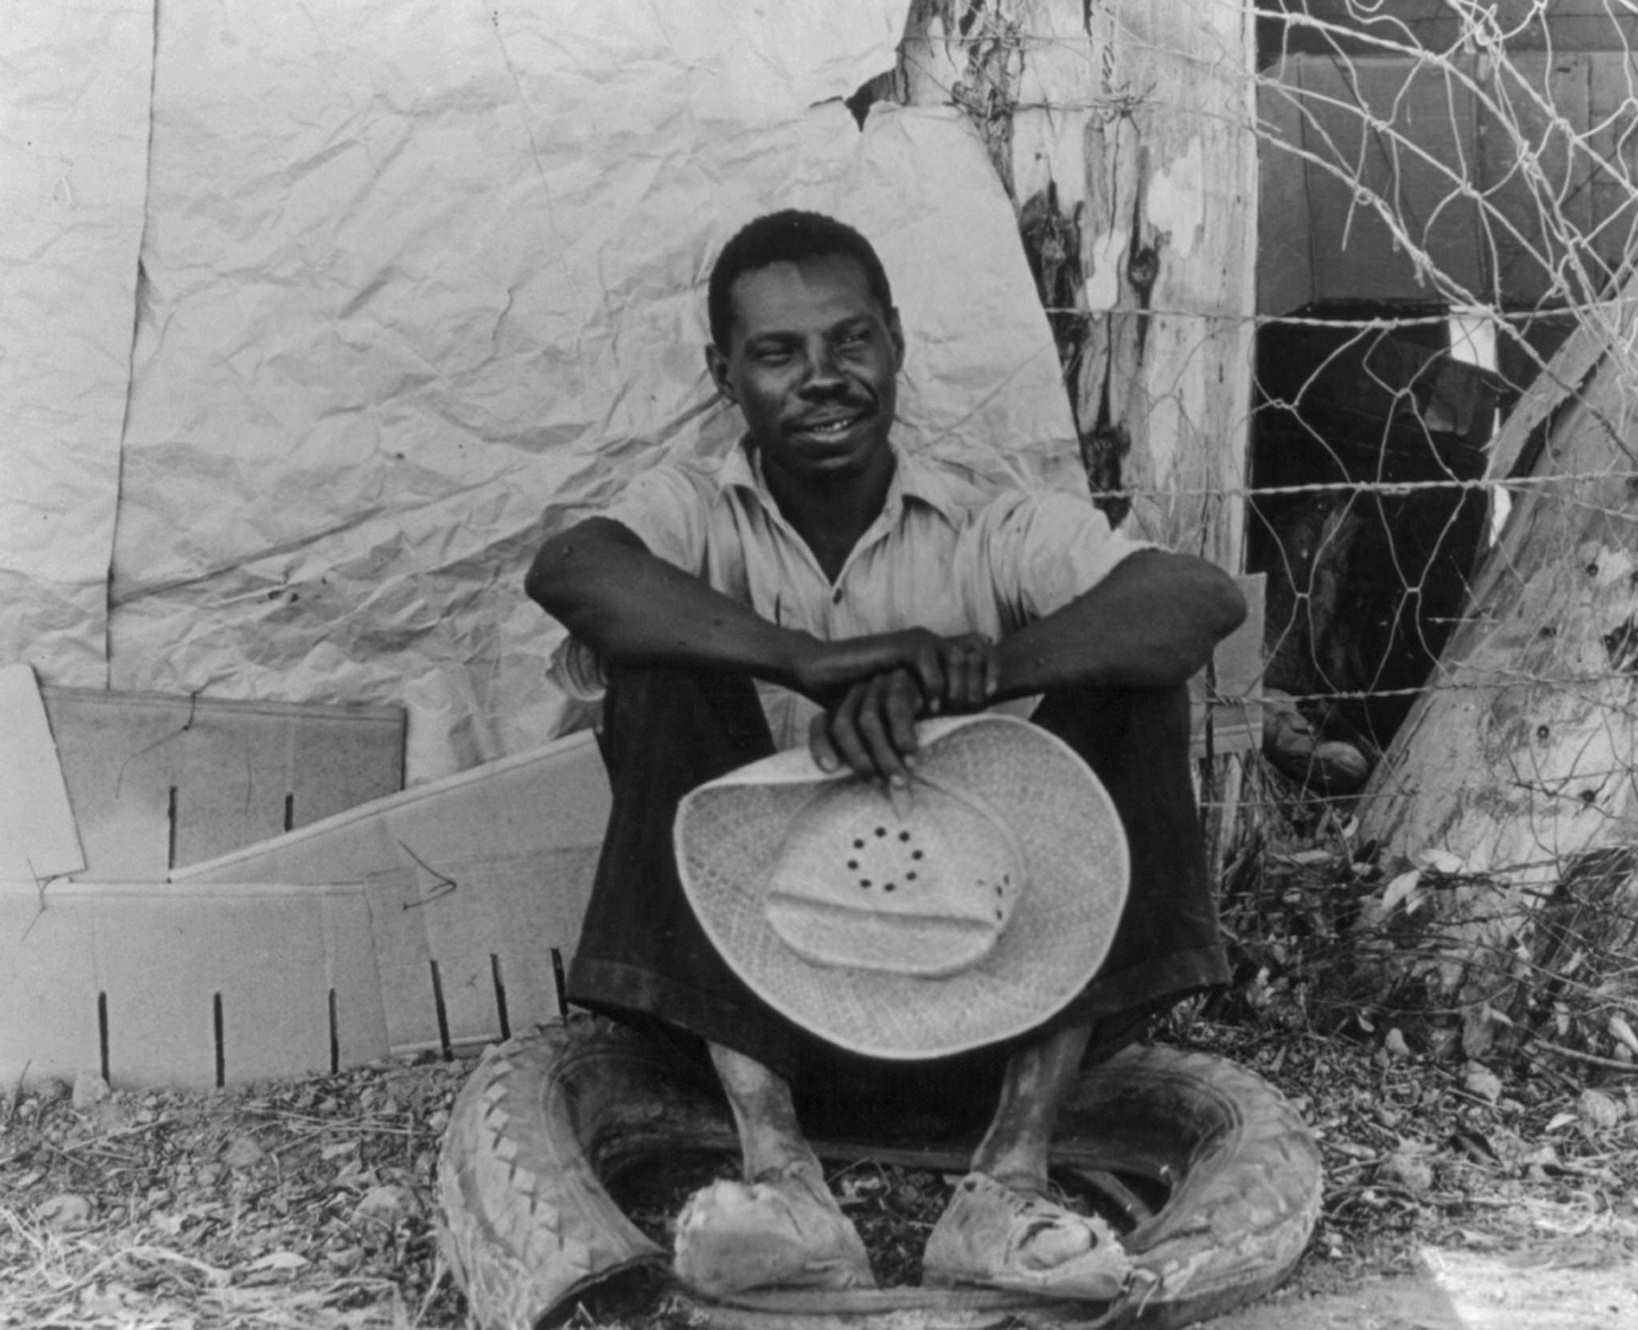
[1004,1237]
[783,1228]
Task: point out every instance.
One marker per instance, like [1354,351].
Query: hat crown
[856,885]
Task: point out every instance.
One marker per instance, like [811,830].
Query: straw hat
[975,916]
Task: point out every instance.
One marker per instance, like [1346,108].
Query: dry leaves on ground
[309,1203]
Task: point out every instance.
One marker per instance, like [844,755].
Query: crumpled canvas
[74,83]
[421,280]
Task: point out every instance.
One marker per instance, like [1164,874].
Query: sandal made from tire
[528,1228]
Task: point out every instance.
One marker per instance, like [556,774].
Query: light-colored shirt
[942,555]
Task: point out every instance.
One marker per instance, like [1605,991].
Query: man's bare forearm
[601,583]
[1153,621]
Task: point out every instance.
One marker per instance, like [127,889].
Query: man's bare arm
[1152,621]
[601,582]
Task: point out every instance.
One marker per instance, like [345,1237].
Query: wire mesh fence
[1442,483]
[1462,190]
[1442,473]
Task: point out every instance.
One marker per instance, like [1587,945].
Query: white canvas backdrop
[413,274]
[74,87]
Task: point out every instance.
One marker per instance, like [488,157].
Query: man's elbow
[540,580]
[552,572]
[1208,598]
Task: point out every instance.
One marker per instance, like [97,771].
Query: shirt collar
[913,478]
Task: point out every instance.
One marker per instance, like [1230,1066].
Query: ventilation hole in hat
[881,831]
[864,881]
[999,914]
[853,863]
[904,835]
[910,876]
[1000,890]
[858,845]
[915,854]
[887,886]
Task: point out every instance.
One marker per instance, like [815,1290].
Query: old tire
[527,1226]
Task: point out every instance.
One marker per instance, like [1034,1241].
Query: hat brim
[728,834]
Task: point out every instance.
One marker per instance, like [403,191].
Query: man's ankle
[770,1137]
[1026,1182]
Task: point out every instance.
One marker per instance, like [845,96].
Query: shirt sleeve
[666,508]
[1047,548]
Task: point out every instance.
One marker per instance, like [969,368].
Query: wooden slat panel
[157,781]
[1355,253]
[1582,143]
[1236,713]
[1613,147]
[1524,264]
[1437,25]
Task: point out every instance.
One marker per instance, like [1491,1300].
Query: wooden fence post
[1123,130]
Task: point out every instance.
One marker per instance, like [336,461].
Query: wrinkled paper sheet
[422,279]
[74,83]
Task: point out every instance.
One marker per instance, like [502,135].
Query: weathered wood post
[1124,131]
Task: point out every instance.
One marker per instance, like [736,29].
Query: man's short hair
[789,236]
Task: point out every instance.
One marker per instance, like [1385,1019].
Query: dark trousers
[643,957]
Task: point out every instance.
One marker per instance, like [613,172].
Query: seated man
[823,585]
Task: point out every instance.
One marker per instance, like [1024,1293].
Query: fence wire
[1468,175]
[1442,485]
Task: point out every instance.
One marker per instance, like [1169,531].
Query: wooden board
[1323,27]
[195,985]
[1228,710]
[1398,169]
[158,781]
[485,874]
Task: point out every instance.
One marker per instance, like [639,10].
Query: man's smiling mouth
[831,424]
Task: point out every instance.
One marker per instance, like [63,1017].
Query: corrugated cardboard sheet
[157,782]
[482,875]
[257,981]
[38,836]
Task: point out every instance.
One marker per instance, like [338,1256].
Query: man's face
[812,362]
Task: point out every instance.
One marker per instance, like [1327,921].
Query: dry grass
[309,1204]
[298,1204]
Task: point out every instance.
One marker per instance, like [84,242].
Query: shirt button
[836,597]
